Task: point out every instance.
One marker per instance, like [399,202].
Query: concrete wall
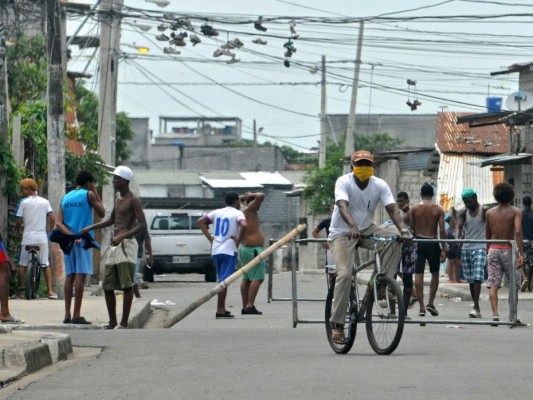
[417,130]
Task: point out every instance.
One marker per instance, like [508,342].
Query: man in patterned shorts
[473,255]
[504,222]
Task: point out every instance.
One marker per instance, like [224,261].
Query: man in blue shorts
[229,228]
[473,255]
[76,212]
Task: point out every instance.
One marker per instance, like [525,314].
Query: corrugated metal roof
[166,177]
[266,178]
[231,183]
[503,159]
[415,161]
[460,138]
[457,172]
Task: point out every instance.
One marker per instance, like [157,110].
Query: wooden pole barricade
[232,278]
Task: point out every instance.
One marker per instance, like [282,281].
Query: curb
[37,350]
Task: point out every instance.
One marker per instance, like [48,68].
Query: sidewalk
[27,347]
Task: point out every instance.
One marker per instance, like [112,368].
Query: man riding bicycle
[34,213]
[357,196]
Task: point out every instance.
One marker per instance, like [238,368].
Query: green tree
[320,190]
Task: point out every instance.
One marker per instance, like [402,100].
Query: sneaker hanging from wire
[208,30]
[292,28]
[227,46]
[178,42]
[288,53]
[289,46]
[217,53]
[226,52]
[171,50]
[259,24]
[236,43]
[287,63]
[162,27]
[194,39]
[233,60]
[170,16]
[162,37]
[259,41]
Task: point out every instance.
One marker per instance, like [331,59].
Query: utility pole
[109,51]
[255,145]
[3,120]
[350,130]
[55,129]
[322,149]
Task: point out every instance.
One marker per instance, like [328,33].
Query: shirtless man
[129,220]
[503,222]
[251,246]
[424,219]
[407,262]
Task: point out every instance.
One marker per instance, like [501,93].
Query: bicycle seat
[33,248]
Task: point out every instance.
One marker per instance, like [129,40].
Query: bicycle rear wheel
[30,286]
[385,316]
[350,325]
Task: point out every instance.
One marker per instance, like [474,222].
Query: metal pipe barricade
[513,289]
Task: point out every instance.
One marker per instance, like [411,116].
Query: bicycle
[381,308]
[33,273]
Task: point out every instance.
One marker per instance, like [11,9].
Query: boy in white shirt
[228,232]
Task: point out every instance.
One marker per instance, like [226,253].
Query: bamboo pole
[232,278]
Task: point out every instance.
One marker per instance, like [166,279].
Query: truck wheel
[210,274]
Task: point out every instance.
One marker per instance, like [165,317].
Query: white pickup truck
[178,244]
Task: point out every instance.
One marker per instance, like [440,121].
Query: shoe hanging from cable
[259,41]
[259,24]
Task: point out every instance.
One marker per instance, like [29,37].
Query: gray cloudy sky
[449,53]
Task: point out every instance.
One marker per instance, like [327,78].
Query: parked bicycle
[33,273]
[381,308]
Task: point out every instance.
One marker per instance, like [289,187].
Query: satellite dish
[519,101]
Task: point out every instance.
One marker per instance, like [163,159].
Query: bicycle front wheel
[385,316]
[350,325]
[29,287]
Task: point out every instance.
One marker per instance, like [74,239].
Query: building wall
[416,130]
[223,158]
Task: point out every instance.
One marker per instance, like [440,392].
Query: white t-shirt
[362,204]
[226,224]
[34,212]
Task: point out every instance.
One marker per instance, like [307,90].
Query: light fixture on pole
[159,3]
[140,49]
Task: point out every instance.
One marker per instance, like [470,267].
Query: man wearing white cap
[129,220]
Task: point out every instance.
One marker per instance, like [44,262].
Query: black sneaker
[225,314]
[251,310]
[80,321]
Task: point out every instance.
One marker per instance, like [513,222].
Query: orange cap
[362,155]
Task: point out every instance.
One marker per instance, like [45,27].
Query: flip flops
[12,320]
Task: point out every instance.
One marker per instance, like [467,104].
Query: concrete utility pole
[55,129]
[4,134]
[322,150]
[350,130]
[109,51]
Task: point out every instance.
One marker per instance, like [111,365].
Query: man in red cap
[357,196]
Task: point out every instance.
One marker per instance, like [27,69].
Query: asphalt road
[263,357]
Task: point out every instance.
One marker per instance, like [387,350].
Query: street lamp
[159,3]
[140,49]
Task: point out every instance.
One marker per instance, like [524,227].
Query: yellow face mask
[363,173]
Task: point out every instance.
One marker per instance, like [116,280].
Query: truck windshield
[174,223]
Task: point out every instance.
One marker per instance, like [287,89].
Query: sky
[447,48]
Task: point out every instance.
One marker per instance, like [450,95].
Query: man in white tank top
[473,255]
